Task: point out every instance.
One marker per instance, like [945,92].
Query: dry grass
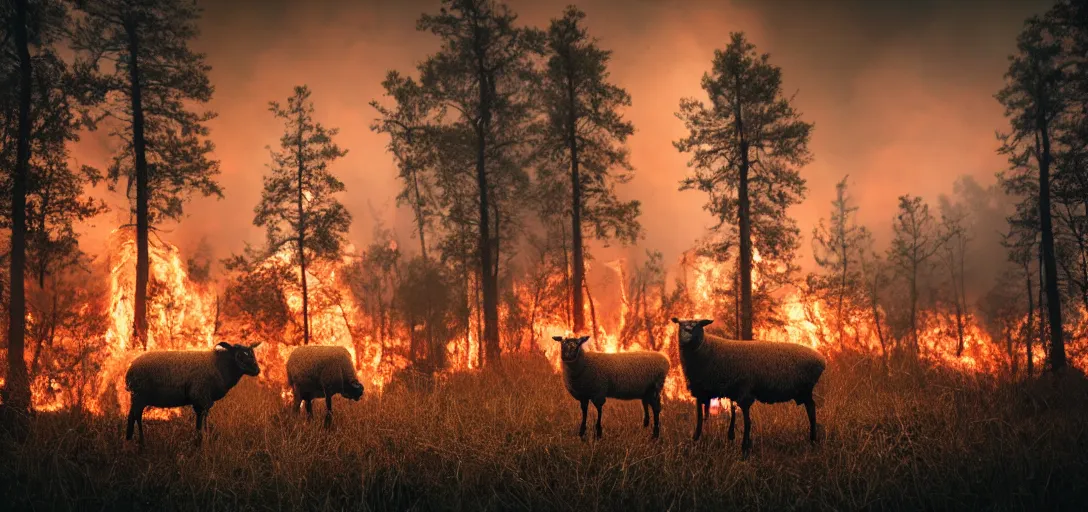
[506,441]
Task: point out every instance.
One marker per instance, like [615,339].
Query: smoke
[900,93]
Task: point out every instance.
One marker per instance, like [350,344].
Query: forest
[956,344]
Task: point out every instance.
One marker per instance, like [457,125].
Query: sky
[900,92]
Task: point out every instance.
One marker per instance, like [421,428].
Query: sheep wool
[177,378]
[746,372]
[321,372]
[594,377]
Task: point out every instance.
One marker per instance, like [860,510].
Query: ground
[507,441]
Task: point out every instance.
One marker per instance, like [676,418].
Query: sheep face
[354,391]
[571,347]
[691,331]
[243,356]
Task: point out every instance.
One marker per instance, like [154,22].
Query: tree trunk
[302,242]
[1031,320]
[1053,298]
[143,261]
[914,311]
[576,210]
[17,389]
[745,255]
[489,280]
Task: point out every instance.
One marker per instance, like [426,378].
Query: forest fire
[186,315]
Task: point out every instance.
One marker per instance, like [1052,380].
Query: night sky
[901,93]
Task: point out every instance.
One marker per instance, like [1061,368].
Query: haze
[901,93]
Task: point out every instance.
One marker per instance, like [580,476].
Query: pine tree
[298,206]
[150,81]
[584,131]
[745,150]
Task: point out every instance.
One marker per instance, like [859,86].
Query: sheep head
[354,391]
[571,347]
[691,331]
[243,356]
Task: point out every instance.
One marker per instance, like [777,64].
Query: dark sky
[901,93]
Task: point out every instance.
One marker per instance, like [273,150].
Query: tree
[585,133]
[1035,100]
[150,84]
[298,205]
[412,144]
[481,73]
[17,387]
[745,150]
[915,242]
[838,248]
[955,227]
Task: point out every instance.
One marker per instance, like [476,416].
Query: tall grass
[505,440]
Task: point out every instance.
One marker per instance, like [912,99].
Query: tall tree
[746,148]
[17,387]
[585,132]
[916,241]
[1035,99]
[838,247]
[298,205]
[411,142]
[151,82]
[481,73]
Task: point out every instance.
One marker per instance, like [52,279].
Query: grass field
[505,440]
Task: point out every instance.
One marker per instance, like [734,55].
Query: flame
[184,315]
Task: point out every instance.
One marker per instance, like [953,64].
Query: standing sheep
[747,371]
[315,372]
[595,376]
[177,378]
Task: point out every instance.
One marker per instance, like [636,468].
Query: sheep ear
[705,322]
[675,320]
[557,338]
[222,346]
[255,345]
[583,339]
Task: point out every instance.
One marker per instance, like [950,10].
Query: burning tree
[746,148]
[481,73]
[151,81]
[298,207]
[838,248]
[916,241]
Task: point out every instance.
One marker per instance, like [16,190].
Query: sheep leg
[732,420]
[645,413]
[698,419]
[600,409]
[810,408]
[328,410]
[200,413]
[296,401]
[656,404]
[135,414]
[585,409]
[746,444]
[309,409]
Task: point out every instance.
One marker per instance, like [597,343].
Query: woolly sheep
[315,372]
[177,378]
[747,371]
[595,376]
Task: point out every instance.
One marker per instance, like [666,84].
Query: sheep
[177,378]
[595,376]
[315,372]
[747,371]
